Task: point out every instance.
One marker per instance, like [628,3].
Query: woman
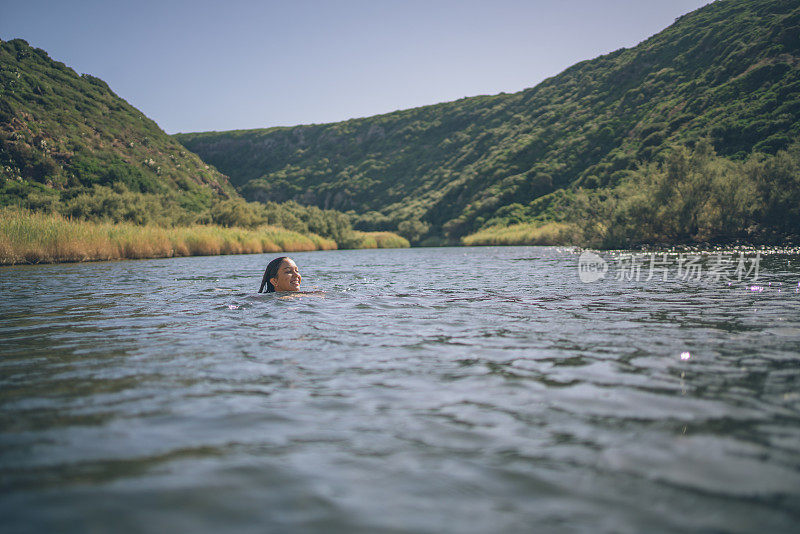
[281,275]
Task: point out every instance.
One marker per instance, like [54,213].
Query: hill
[71,147]
[727,72]
[61,134]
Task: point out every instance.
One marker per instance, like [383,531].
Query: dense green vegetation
[69,146]
[604,132]
[686,196]
[66,133]
[698,196]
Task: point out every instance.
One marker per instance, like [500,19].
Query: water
[428,390]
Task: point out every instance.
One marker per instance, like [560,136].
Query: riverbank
[27,237]
[567,234]
[378,240]
[552,233]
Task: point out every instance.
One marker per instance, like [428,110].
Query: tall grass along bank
[28,237]
[378,240]
[552,233]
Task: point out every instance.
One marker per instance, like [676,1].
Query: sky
[206,65]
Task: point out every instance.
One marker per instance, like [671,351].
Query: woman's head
[281,274]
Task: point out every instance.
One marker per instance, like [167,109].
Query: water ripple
[422,390]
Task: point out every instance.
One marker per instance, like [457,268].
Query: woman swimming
[281,274]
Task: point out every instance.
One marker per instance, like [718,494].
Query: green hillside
[727,72]
[71,147]
[62,134]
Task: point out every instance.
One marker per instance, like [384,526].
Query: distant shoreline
[559,234]
[30,238]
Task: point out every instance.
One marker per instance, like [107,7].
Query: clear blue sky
[203,65]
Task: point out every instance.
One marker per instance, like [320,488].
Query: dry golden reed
[27,237]
[380,240]
[552,233]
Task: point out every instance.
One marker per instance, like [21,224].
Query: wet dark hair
[270,272]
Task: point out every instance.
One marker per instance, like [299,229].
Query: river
[497,389]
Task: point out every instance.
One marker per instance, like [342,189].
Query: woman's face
[288,277]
